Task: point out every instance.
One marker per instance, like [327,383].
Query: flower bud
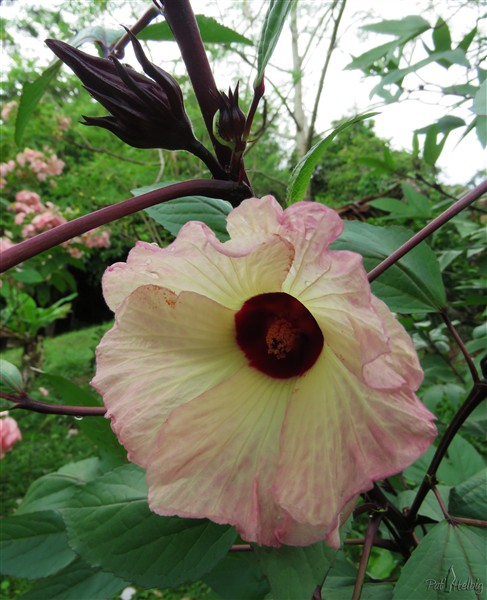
[230,121]
[144,113]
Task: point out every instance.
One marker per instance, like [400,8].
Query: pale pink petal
[196,261]
[216,456]
[336,291]
[400,367]
[163,351]
[339,436]
[254,221]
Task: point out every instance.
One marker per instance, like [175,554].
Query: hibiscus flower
[258,381]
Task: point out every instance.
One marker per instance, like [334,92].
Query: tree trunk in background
[301,136]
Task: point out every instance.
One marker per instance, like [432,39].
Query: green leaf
[293,572]
[481,129]
[96,428]
[461,462]
[370,591]
[468,39]
[110,525]
[10,377]
[32,92]
[480,100]
[432,149]
[396,76]
[34,545]
[441,35]
[417,206]
[413,24]
[377,164]
[211,32]
[172,215]
[462,89]
[271,31]
[238,577]
[27,275]
[303,171]
[55,490]
[78,581]
[419,203]
[413,284]
[469,499]
[367,59]
[449,560]
[430,507]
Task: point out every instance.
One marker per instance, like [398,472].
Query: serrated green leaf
[412,24]
[10,377]
[78,581]
[413,284]
[447,559]
[469,499]
[34,545]
[110,525]
[461,462]
[211,32]
[55,490]
[238,577]
[303,171]
[32,92]
[271,31]
[294,573]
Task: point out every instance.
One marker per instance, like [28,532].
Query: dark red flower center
[278,335]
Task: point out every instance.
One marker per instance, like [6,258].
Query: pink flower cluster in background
[38,217]
[7,109]
[5,244]
[90,239]
[39,163]
[9,434]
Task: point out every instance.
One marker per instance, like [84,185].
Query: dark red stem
[180,18]
[119,49]
[26,403]
[476,396]
[372,528]
[227,190]
[449,213]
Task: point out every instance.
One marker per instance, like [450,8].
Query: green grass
[50,441]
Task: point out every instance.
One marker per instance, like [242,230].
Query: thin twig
[452,211]
[118,49]
[461,345]
[324,70]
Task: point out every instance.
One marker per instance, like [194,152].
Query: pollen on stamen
[280,338]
